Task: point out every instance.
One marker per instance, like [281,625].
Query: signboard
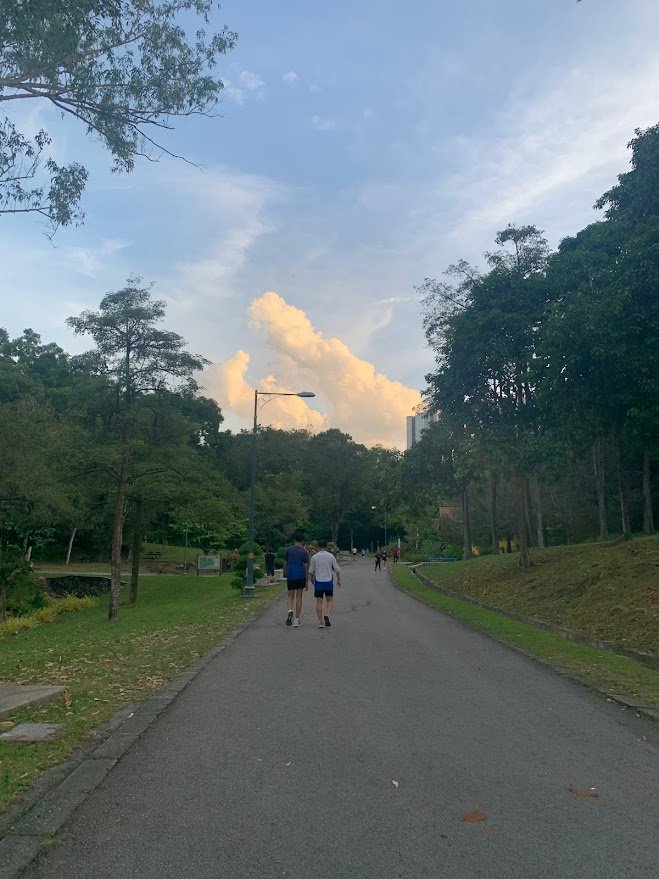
[209,564]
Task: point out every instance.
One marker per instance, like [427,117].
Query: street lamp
[249,590]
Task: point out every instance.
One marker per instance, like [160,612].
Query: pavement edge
[641,708]
[35,829]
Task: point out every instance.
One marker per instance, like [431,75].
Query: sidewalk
[356,752]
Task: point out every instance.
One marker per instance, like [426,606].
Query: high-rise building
[416,424]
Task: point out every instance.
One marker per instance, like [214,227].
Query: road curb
[640,708]
[35,829]
[642,656]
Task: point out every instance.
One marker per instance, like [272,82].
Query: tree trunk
[137,549]
[648,516]
[3,587]
[466,526]
[598,469]
[622,488]
[70,545]
[522,518]
[528,513]
[539,519]
[118,533]
[494,517]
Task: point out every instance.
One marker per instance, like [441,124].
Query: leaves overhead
[123,69]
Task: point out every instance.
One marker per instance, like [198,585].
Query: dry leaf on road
[473,817]
[580,792]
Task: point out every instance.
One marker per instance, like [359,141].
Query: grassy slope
[108,666]
[610,591]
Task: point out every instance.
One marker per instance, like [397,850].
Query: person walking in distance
[378,559]
[269,559]
[296,570]
[322,569]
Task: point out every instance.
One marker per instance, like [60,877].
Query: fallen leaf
[395,783]
[473,817]
[580,792]
[67,698]
[289,763]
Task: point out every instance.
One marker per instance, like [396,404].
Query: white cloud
[356,398]
[320,124]
[291,76]
[90,260]
[251,81]
[564,140]
[232,214]
[226,382]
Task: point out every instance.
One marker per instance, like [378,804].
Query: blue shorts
[323,589]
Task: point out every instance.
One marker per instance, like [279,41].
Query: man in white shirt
[322,568]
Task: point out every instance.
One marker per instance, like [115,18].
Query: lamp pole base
[249,592]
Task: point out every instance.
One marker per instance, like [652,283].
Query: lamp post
[249,590]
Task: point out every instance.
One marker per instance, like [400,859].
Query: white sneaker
[296,621]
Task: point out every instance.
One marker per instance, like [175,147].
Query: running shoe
[289,618]
[327,621]
[296,622]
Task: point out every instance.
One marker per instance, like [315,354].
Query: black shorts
[321,593]
[270,571]
[295,584]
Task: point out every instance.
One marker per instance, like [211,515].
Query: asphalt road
[356,752]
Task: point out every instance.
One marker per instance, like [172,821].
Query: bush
[47,614]
[22,590]
[15,625]
[70,602]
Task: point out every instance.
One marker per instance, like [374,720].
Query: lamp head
[305,394]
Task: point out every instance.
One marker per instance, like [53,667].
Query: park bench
[152,555]
[441,558]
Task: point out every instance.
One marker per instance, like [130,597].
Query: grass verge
[616,673]
[605,590]
[107,666]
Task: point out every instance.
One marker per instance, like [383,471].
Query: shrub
[23,592]
[70,602]
[14,625]
[47,614]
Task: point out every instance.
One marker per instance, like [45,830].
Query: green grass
[608,591]
[106,666]
[617,673]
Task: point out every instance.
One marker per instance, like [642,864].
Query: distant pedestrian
[363,553]
[353,551]
[378,559]
[322,569]
[396,554]
[384,556]
[269,559]
[296,570]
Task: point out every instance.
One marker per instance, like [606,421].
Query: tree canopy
[123,69]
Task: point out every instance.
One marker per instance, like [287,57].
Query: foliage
[121,68]
[21,591]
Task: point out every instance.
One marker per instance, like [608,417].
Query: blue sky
[362,146]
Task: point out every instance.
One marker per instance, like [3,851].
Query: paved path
[356,751]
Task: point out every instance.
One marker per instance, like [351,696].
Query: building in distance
[417,423]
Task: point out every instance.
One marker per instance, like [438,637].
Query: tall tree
[139,362]
[121,68]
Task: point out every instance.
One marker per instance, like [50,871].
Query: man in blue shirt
[296,570]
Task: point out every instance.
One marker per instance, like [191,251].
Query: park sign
[209,564]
